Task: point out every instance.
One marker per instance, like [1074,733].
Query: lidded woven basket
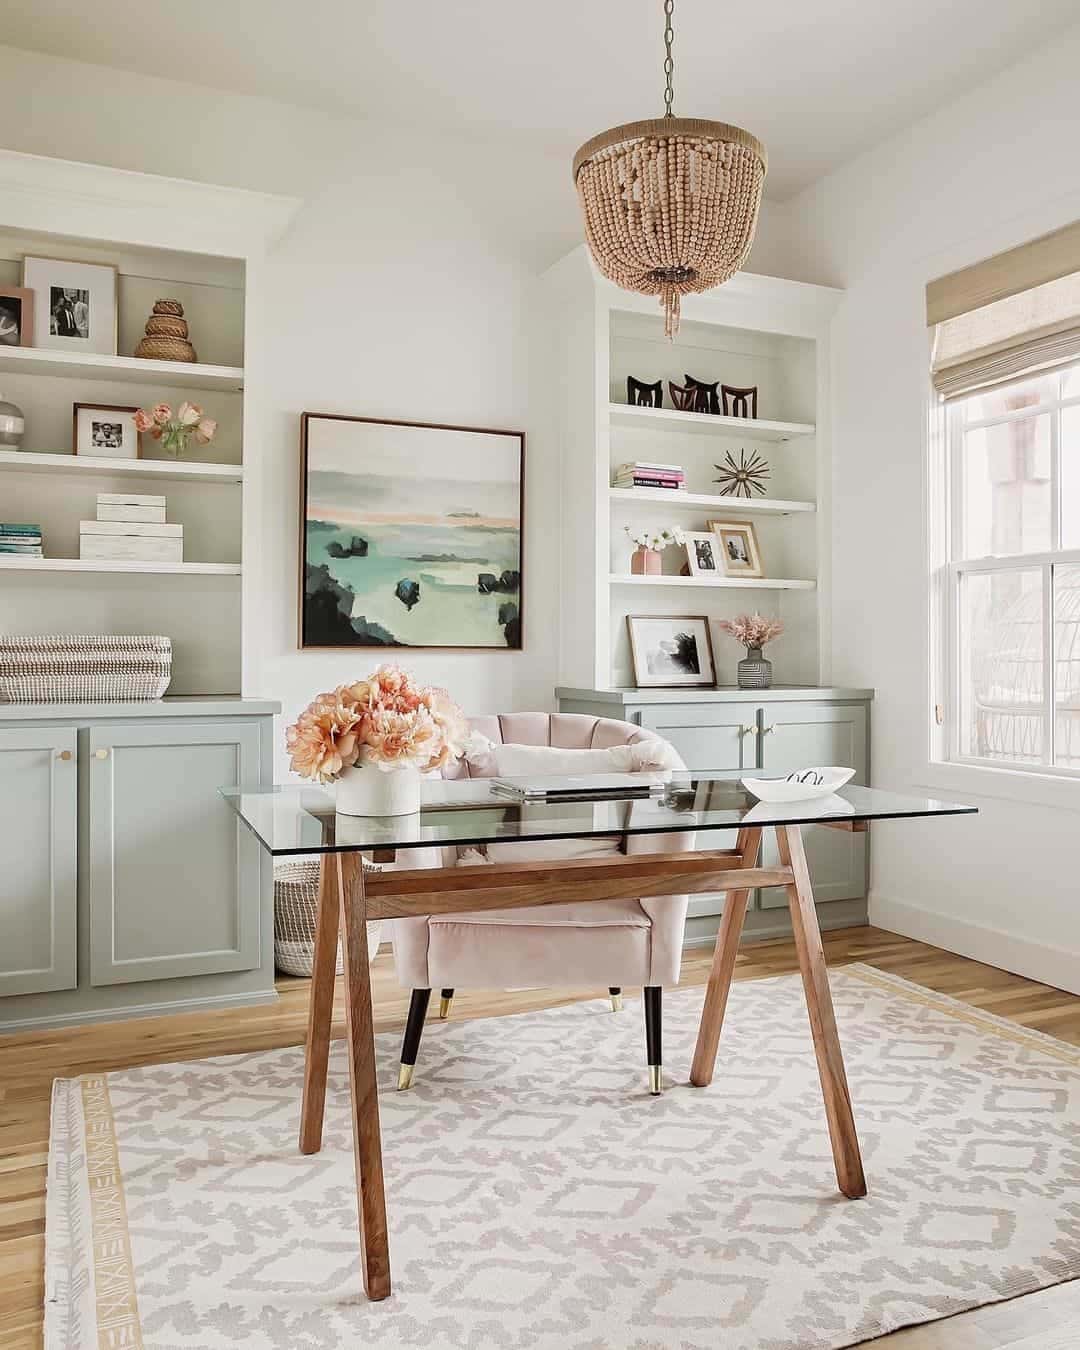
[166,334]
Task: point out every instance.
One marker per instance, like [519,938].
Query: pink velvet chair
[605,943]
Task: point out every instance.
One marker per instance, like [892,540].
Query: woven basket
[165,349]
[164,325]
[83,668]
[296,909]
[169,307]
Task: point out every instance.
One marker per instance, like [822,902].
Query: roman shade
[1015,314]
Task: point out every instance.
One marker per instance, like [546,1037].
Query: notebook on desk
[584,786]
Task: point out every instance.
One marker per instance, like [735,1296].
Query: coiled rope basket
[296,909]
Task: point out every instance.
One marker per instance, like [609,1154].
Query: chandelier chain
[669,64]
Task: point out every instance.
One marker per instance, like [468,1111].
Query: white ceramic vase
[364,790]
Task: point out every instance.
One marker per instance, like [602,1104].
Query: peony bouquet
[175,430]
[387,721]
[752,630]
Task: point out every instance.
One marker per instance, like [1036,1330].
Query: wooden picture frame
[16,316]
[671,651]
[106,437]
[75,304]
[738,550]
[703,553]
[437,509]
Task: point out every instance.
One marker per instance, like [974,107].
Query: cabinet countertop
[221,705]
[783,693]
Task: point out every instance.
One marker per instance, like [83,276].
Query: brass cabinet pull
[63,754]
[101,754]
[745,731]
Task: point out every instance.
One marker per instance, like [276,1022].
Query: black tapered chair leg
[414,1029]
[654,1002]
[615,993]
[446,997]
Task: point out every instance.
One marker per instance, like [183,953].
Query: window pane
[1070,477]
[1005,486]
[1002,715]
[1067,666]
[1041,389]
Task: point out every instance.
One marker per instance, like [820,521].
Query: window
[1009,575]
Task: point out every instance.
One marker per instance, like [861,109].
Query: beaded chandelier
[671,203]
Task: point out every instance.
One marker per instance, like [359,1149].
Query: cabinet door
[707,736]
[174,879]
[796,736]
[38,830]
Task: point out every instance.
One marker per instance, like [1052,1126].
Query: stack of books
[22,540]
[644,473]
[132,529]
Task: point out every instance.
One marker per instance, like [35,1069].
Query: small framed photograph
[671,651]
[104,430]
[16,316]
[737,548]
[74,304]
[703,554]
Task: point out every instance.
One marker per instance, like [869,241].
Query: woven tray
[84,668]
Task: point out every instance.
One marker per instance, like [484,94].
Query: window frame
[947,428]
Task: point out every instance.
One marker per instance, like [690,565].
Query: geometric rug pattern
[539,1197]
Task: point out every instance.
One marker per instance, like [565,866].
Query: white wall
[996,167]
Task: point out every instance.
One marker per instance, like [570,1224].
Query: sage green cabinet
[723,740]
[38,876]
[173,876]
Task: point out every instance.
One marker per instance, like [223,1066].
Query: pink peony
[161,412]
[204,430]
[143,420]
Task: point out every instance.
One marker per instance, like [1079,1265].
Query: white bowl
[817,782]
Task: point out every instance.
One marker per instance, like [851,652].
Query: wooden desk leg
[723,968]
[819,1006]
[360,1039]
[320,1007]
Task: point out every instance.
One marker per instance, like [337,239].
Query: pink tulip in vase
[175,430]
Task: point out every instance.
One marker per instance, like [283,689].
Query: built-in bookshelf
[45,483]
[754,331]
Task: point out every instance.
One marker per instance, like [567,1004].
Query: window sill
[979,780]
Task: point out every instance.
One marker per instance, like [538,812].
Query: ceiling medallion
[671,203]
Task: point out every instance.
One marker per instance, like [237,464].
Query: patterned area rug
[538,1197]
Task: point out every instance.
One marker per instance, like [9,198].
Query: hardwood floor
[29,1062]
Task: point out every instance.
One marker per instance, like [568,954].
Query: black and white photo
[106,431]
[74,304]
[16,317]
[701,554]
[671,651]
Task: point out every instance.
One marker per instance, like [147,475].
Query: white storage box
[83,668]
[136,541]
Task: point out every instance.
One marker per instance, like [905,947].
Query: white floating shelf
[671,419]
[733,583]
[14,563]
[734,506]
[161,470]
[122,369]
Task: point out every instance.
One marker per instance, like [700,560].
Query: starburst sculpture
[742,479]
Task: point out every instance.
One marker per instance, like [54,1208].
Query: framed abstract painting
[410,534]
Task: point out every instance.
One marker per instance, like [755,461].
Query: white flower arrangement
[655,540]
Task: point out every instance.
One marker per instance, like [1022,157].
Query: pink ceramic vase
[645,562]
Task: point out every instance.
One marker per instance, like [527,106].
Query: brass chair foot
[656,1079]
[616,1002]
[404,1078]
[444,1008]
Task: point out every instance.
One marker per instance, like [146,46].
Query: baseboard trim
[765,925]
[184,1005]
[1055,966]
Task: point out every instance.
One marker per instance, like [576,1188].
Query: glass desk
[702,834]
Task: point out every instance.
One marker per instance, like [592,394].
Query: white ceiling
[818,81]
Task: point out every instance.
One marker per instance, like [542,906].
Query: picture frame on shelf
[16,316]
[703,553]
[738,550]
[411,534]
[74,307]
[105,430]
[671,651]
